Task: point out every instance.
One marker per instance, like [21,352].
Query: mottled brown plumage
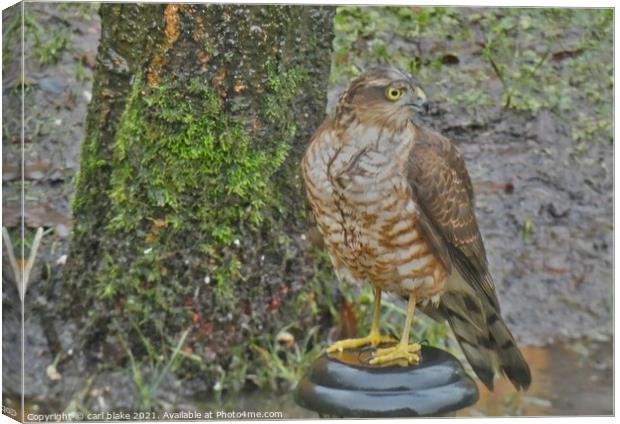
[394,204]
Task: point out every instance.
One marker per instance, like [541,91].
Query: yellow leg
[403,351]
[374,338]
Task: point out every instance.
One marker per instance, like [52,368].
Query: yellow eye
[393,94]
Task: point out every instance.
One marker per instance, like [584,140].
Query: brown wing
[442,189]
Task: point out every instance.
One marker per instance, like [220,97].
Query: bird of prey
[395,206]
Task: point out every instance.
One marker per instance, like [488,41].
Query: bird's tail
[484,338]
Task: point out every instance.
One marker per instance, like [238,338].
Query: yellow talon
[398,353]
[373,339]
[403,353]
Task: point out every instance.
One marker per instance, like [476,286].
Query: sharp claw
[333,348]
[396,353]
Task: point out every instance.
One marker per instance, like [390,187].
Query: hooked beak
[420,104]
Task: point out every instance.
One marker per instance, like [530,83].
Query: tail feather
[511,360]
[484,338]
[480,358]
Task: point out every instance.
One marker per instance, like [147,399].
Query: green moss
[196,150]
[183,168]
[91,164]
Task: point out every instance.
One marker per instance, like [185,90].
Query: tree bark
[189,209]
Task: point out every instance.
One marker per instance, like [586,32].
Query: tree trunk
[189,208]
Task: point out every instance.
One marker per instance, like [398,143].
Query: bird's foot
[401,354]
[373,339]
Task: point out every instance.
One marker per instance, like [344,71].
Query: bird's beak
[420,104]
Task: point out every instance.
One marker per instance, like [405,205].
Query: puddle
[566,380]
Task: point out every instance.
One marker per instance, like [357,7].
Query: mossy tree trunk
[189,209]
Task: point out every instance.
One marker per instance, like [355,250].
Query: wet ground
[544,204]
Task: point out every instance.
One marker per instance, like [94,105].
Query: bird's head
[383,96]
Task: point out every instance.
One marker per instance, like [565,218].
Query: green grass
[147,384]
[285,363]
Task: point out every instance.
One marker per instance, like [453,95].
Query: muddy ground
[544,196]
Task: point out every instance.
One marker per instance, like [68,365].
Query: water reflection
[567,379]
